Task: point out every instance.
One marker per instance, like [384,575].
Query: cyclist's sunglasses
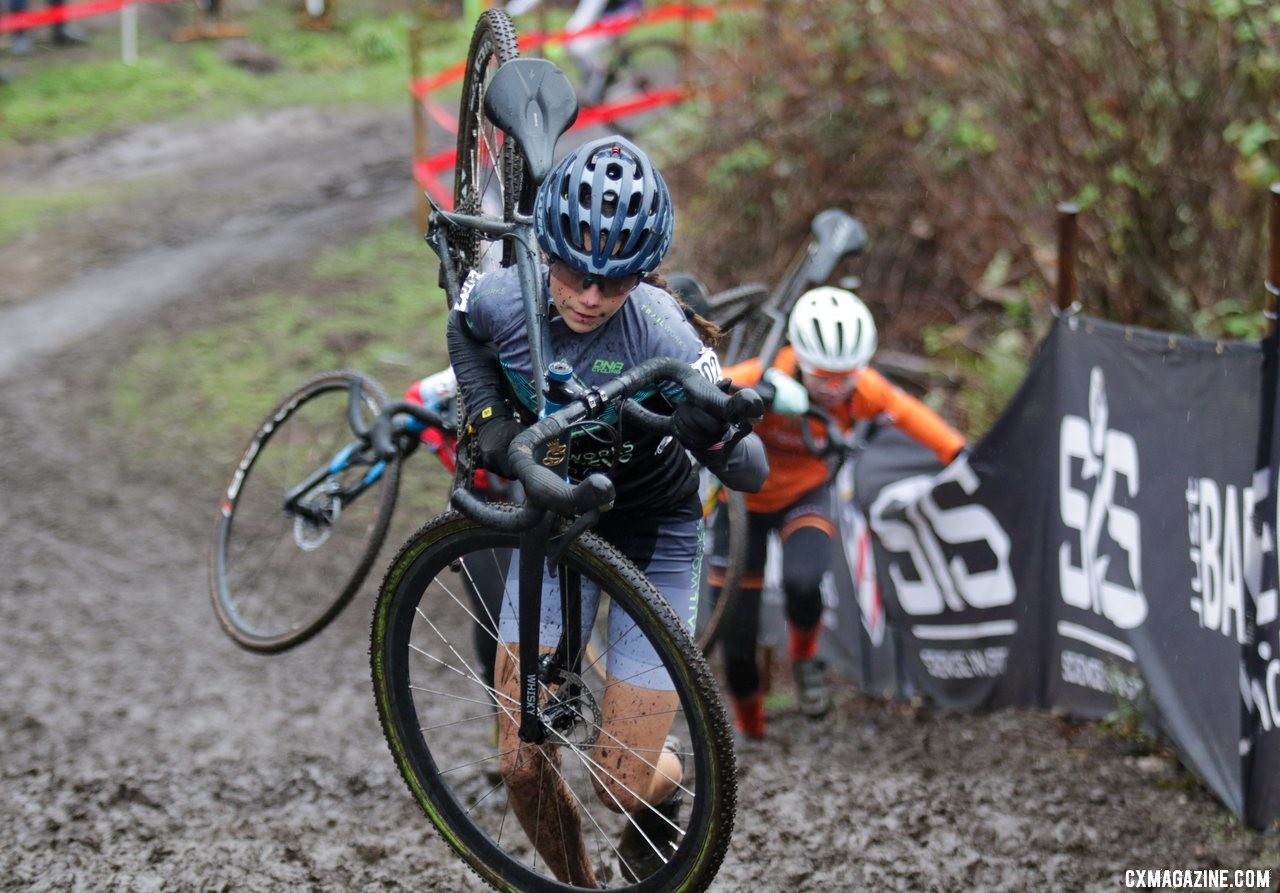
[609,288]
[829,382]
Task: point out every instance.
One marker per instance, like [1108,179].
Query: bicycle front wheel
[440,713]
[278,572]
[489,170]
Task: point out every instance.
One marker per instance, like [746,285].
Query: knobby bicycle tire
[735,558]
[275,579]
[439,715]
[489,170]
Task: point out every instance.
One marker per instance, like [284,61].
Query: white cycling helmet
[831,329]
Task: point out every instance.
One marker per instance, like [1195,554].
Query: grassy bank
[86,90]
[370,306]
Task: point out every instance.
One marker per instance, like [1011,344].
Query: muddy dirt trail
[141,751]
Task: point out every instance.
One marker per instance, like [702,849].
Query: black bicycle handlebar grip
[745,406]
[355,406]
[494,516]
[633,413]
[596,492]
[424,414]
[380,438]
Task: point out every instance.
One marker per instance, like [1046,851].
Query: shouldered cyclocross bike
[436,697]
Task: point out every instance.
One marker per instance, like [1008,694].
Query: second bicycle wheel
[278,573]
[440,713]
[488,172]
[725,516]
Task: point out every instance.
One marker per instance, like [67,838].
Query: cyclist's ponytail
[708,332]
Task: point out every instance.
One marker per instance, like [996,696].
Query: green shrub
[954,128]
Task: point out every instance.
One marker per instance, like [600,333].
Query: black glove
[696,428]
[492,439]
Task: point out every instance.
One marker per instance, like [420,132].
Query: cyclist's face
[585,303]
[829,389]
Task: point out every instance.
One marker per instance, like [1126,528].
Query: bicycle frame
[518,87]
[528,269]
[374,446]
[835,236]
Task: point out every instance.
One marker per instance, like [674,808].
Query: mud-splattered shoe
[652,833]
[812,690]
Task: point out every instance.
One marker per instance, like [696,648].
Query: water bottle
[559,393]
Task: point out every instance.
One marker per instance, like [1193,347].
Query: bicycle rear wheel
[733,305]
[440,712]
[732,508]
[279,575]
[489,170]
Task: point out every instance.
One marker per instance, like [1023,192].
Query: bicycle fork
[560,667]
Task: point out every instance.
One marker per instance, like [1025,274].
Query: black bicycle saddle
[534,103]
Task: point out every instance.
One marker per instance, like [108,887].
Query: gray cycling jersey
[650,472]
[649,324]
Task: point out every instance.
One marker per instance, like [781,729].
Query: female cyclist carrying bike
[833,338]
[604,220]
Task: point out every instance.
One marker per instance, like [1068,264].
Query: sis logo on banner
[926,566]
[1101,530]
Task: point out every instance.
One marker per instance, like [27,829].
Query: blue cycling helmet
[605,210]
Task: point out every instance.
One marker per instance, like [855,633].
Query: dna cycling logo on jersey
[948,562]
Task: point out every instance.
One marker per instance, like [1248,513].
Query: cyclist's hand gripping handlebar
[546,490]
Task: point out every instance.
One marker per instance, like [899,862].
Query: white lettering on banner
[1197,878]
[922,537]
[970,663]
[1092,672]
[1261,693]
[1259,550]
[1106,457]
[1215,528]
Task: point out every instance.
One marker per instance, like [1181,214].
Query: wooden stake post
[1066,298]
[1273,258]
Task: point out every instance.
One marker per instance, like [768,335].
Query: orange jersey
[793,470]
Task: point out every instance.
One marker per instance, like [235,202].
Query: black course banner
[1260,679]
[1089,553]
